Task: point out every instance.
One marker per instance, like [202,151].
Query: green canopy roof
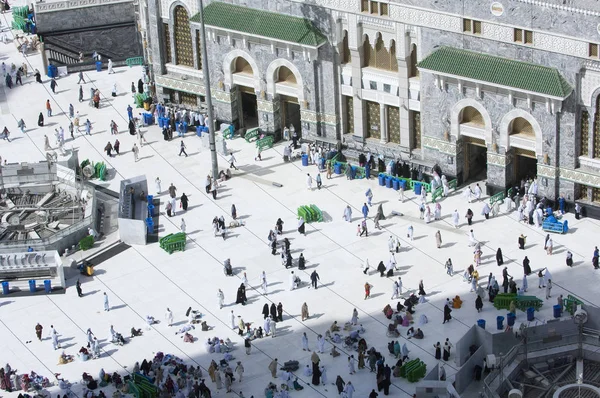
[261,23]
[496,70]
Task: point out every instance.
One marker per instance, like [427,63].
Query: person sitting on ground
[418,334]
[410,332]
[334,327]
[456,302]
[334,352]
[136,332]
[188,338]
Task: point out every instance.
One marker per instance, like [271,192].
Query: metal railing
[68,177]
[589,336]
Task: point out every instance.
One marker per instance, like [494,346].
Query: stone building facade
[494,90]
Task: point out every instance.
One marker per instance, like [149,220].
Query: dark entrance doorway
[291,114]
[525,165]
[475,166]
[249,108]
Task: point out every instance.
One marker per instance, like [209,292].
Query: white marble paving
[145,279]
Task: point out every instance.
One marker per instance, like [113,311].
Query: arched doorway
[413,71]
[243,76]
[286,82]
[184,53]
[522,140]
[472,129]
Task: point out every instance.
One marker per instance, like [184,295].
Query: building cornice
[53,6]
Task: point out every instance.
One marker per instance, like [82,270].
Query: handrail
[533,347]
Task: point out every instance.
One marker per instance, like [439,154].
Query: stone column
[383,123]
[590,132]
[356,51]
[403,42]
[194,47]
[155,38]
[173,59]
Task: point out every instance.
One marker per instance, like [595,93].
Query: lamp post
[211,120]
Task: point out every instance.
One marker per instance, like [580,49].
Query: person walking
[232,161]
[314,277]
[184,201]
[438,239]
[447,347]
[182,149]
[38,331]
[319,181]
[309,182]
[499,257]
[365,210]
[469,216]
[106,305]
[239,369]
[247,345]
[48,108]
[53,85]
[273,368]
[78,288]
[136,152]
[221,297]
[569,259]
[438,350]
[54,337]
[548,288]
[368,287]
[169,317]
[80,93]
[304,311]
[447,311]
[81,79]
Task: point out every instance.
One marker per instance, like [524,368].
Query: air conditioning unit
[515,393]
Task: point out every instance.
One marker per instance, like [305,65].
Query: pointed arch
[229,67]
[272,76]
[456,117]
[507,125]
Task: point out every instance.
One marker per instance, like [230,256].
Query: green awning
[261,23]
[496,70]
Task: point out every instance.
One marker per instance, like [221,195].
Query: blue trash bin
[199,131]
[500,322]
[417,188]
[396,184]
[557,309]
[381,179]
[150,210]
[150,199]
[48,286]
[403,184]
[352,172]
[52,71]
[481,323]
[388,181]
[98,66]
[510,319]
[304,160]
[32,287]
[530,314]
[150,225]
[5,288]
[337,168]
